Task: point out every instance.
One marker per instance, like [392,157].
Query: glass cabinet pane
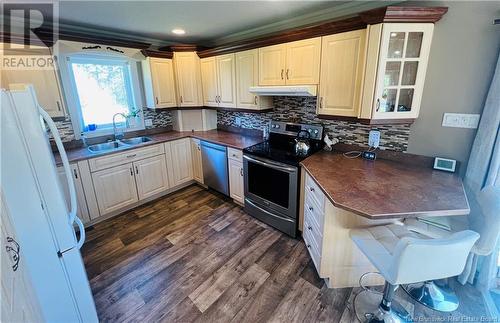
[396,43]
[409,73]
[388,100]
[405,100]
[414,44]
[392,73]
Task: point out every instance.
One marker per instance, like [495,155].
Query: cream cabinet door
[197,163]
[342,68]
[226,78]
[162,74]
[236,180]
[247,74]
[45,83]
[181,161]
[115,188]
[151,176]
[209,81]
[272,65]
[187,70]
[82,210]
[302,61]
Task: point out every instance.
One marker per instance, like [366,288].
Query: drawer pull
[131,156]
[234,155]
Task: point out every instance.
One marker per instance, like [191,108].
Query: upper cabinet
[219,81]
[159,85]
[247,75]
[295,63]
[400,70]
[187,71]
[342,67]
[45,82]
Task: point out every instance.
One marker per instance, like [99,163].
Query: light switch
[461,120]
[238,121]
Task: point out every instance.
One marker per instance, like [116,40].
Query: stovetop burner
[280,146]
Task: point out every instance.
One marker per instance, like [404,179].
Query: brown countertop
[229,139]
[386,189]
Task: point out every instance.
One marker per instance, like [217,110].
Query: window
[102,87]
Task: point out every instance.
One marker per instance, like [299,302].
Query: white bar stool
[402,257]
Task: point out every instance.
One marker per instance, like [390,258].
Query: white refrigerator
[49,245]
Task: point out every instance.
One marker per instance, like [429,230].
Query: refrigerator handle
[65,162]
[80,242]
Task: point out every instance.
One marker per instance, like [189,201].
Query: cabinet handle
[131,172]
[198,147]
[321,102]
[282,71]
[156,98]
[308,246]
[181,98]
[255,100]
[136,170]
[241,171]
[378,105]
[311,208]
[58,105]
[309,228]
[76,174]
[311,189]
[130,156]
[287,71]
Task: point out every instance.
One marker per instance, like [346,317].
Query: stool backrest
[418,260]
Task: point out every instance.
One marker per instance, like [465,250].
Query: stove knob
[273,126]
[277,126]
[309,130]
[316,131]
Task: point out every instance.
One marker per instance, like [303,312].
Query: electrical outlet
[148,122]
[374,138]
[238,121]
[461,120]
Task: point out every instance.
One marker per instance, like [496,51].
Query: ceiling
[207,23]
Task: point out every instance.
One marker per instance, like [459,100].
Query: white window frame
[70,90]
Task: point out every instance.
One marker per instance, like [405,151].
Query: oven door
[271,185]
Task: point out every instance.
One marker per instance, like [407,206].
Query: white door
[181,161]
[197,163]
[226,80]
[162,74]
[115,188]
[19,304]
[236,180]
[82,211]
[151,176]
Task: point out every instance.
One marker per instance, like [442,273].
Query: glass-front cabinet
[402,63]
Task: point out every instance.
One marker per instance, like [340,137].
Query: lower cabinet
[197,163]
[236,180]
[115,188]
[151,176]
[180,152]
[82,211]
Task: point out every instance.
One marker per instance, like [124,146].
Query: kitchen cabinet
[159,85]
[294,63]
[235,165]
[151,176]
[82,211]
[394,79]
[342,68]
[247,75]
[45,82]
[182,167]
[219,81]
[197,163]
[188,76]
[115,188]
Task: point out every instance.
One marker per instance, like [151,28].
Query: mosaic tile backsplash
[303,110]
[160,119]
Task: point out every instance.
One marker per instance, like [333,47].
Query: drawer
[235,154]
[315,212]
[313,251]
[314,232]
[312,189]
[125,157]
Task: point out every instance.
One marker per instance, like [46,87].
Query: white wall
[463,56]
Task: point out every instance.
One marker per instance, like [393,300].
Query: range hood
[295,90]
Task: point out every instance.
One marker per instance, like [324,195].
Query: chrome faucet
[120,135]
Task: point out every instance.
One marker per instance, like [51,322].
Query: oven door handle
[270,164]
[267,212]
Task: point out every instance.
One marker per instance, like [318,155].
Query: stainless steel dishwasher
[215,172]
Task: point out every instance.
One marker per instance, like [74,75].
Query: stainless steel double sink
[118,144]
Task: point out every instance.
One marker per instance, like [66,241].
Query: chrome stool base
[368,310]
[438,297]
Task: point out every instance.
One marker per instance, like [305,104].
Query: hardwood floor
[196,256]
